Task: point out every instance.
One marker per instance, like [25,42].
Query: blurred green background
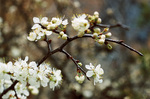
[126,73]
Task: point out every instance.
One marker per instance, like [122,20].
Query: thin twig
[125,45]
[74,60]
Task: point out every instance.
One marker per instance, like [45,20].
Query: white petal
[36,20]
[65,22]
[83,16]
[87,66]
[36,26]
[48,32]
[44,19]
[89,73]
[100,81]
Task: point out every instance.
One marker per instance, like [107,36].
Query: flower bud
[90,17]
[64,37]
[88,31]
[103,36]
[101,41]
[106,29]
[61,33]
[95,35]
[96,13]
[108,34]
[97,30]
[80,79]
[80,64]
[99,20]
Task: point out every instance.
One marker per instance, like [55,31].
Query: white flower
[32,36]
[21,90]
[55,79]
[95,72]
[80,23]
[56,21]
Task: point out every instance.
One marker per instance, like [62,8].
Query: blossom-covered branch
[19,77]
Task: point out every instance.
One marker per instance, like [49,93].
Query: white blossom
[27,74]
[32,36]
[39,32]
[80,24]
[96,73]
[55,22]
[55,79]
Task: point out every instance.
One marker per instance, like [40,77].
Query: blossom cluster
[83,24]
[95,72]
[42,27]
[29,77]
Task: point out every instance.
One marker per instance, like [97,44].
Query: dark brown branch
[125,45]
[75,62]
[9,88]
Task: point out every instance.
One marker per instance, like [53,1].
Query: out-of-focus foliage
[126,74]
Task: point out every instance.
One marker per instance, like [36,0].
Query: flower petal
[36,26]
[89,73]
[65,22]
[48,33]
[87,66]
[36,20]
